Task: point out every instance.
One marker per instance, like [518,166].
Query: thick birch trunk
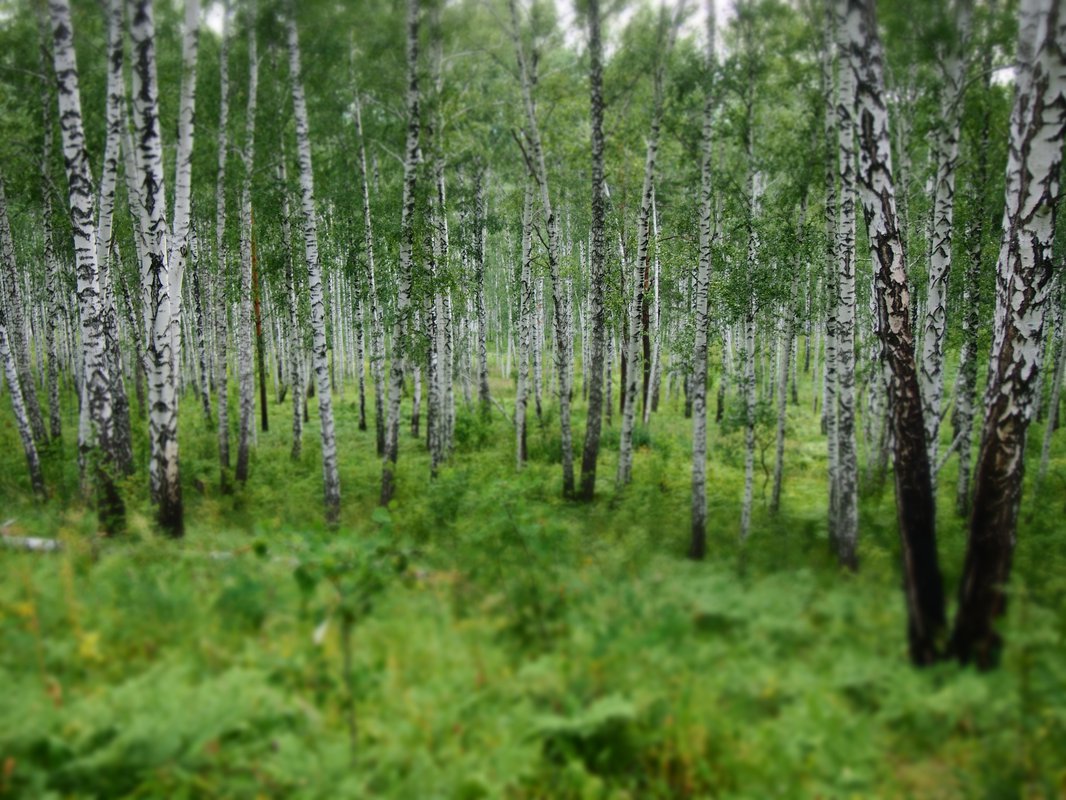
[914,495]
[1024,275]
[156,283]
[525,314]
[96,380]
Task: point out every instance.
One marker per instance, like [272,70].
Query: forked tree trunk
[1024,275]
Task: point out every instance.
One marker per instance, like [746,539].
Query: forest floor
[484,638]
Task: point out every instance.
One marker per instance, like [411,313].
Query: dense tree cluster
[653,200]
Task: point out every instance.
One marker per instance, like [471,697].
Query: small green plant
[357,572]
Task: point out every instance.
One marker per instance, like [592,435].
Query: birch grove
[502,219]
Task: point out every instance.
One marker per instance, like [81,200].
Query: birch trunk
[404,278]
[16,310]
[162,360]
[377,327]
[1024,275]
[95,386]
[52,268]
[597,314]
[698,543]
[330,476]
[946,145]
[478,238]
[539,168]
[923,589]
[525,313]
[112,151]
[246,285]
[787,335]
[848,510]
[18,405]
[221,255]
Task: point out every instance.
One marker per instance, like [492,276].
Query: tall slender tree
[330,476]
[403,308]
[698,543]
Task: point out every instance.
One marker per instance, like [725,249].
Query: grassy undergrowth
[484,638]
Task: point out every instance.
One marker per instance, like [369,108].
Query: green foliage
[491,640]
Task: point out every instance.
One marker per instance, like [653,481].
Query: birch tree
[597,312]
[403,289]
[22,421]
[246,284]
[698,544]
[847,498]
[157,284]
[1024,273]
[538,168]
[96,423]
[923,588]
[222,255]
[319,358]
[946,144]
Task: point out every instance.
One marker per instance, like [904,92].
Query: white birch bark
[330,476]
[946,144]
[1024,274]
[848,508]
[52,267]
[377,326]
[97,429]
[18,330]
[161,359]
[221,291]
[698,543]
[525,314]
[18,405]
[914,497]
[404,278]
[539,169]
[597,312]
[245,320]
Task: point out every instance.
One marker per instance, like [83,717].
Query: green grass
[505,643]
